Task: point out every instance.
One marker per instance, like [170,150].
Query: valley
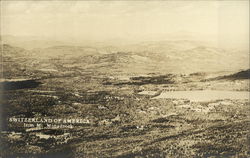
[125,99]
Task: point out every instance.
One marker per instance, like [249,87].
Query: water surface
[204,95]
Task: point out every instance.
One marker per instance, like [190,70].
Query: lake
[204,95]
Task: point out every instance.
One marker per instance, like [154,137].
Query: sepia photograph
[124,79]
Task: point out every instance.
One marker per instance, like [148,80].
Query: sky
[103,20]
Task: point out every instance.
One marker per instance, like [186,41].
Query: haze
[222,22]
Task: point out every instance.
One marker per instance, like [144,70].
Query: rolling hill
[148,57]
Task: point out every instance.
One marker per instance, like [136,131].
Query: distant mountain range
[148,57]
